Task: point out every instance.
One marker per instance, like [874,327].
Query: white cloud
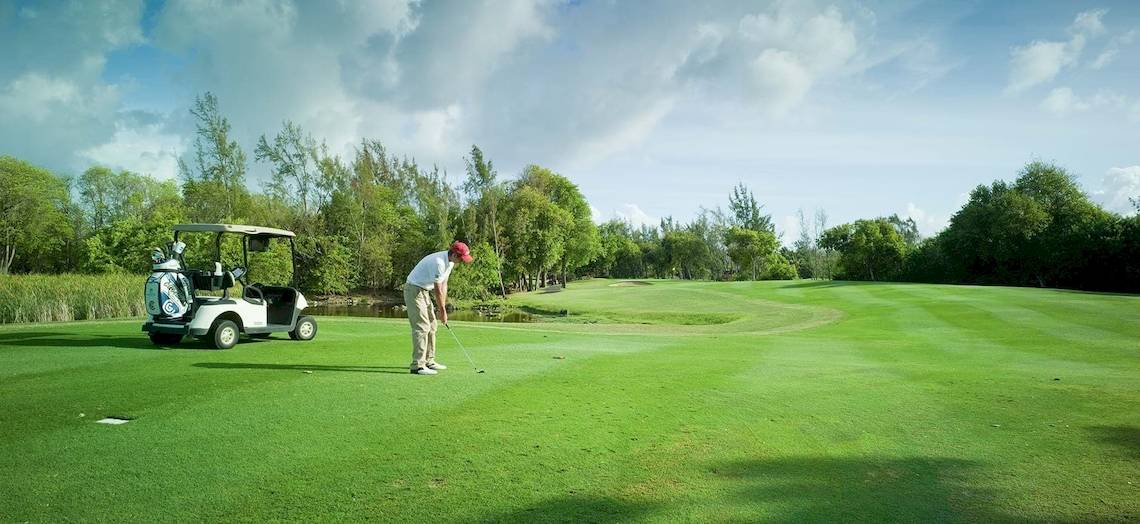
[1040,61]
[1117,186]
[36,96]
[596,215]
[54,100]
[1110,52]
[623,136]
[633,215]
[142,148]
[1037,63]
[780,80]
[290,64]
[527,80]
[437,129]
[1089,23]
[793,51]
[1062,101]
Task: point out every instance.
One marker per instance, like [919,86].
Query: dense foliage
[1041,230]
[363,222]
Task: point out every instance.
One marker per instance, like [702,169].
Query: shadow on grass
[302,367]
[871,489]
[1103,293]
[57,339]
[1124,437]
[574,508]
[61,340]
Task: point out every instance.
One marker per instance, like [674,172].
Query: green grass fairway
[675,401]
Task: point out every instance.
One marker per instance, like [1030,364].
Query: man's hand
[441,301]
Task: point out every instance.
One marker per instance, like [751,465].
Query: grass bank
[61,298]
[780,401]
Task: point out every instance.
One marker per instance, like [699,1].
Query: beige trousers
[421,315]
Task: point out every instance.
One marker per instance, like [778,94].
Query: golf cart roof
[233,228]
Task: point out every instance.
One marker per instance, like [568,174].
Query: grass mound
[915,403]
[692,308]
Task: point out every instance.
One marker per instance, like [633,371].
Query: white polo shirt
[433,269]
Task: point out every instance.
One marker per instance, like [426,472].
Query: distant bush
[58,298]
[776,267]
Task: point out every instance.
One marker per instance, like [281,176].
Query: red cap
[459,248]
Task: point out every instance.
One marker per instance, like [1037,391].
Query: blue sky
[654,108]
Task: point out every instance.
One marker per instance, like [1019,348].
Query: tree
[777,267]
[747,211]
[34,225]
[619,255]
[214,186]
[988,234]
[580,243]
[869,249]
[475,280]
[435,200]
[483,189]
[1056,253]
[294,156]
[750,249]
[684,251]
[324,264]
[907,228]
[127,214]
[534,232]
[365,210]
[809,259]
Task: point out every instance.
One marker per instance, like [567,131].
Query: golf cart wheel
[306,329]
[224,334]
[165,339]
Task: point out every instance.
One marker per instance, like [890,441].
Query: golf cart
[176,308]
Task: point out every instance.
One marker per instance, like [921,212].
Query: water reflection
[382,311]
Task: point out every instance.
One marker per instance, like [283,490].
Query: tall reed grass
[59,298]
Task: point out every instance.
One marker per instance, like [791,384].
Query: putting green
[780,401]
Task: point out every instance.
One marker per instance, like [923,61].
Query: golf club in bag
[477,369]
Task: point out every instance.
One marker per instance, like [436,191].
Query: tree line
[364,221]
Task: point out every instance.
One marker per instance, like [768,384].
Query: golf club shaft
[461,347]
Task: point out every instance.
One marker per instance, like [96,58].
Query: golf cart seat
[217,280]
[253,294]
[279,302]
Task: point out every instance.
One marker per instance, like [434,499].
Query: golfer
[429,278]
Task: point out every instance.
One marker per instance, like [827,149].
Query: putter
[477,370]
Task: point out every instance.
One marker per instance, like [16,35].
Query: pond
[388,311]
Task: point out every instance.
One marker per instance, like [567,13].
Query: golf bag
[168,292]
